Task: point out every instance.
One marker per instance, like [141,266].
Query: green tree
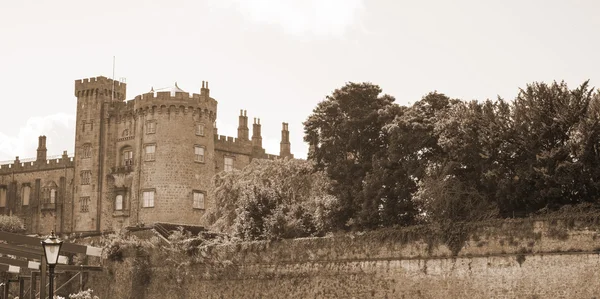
[272,199]
[459,184]
[556,147]
[345,134]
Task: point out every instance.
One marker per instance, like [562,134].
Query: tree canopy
[273,199]
[444,159]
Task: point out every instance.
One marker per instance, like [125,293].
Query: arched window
[49,193]
[127,156]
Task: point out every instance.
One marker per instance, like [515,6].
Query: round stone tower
[161,158]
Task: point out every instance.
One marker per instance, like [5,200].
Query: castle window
[151,127]
[84,204]
[87,151]
[199,154]
[148,199]
[119,203]
[228,164]
[2,196]
[150,149]
[26,192]
[86,177]
[52,195]
[200,129]
[125,133]
[49,191]
[198,200]
[127,155]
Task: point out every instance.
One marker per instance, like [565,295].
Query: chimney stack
[41,150]
[284,145]
[256,134]
[204,91]
[243,126]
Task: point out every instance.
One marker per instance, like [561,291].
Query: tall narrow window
[87,150]
[2,197]
[86,177]
[198,200]
[151,127]
[26,193]
[119,203]
[127,155]
[148,199]
[199,154]
[52,195]
[84,204]
[150,149]
[200,129]
[228,164]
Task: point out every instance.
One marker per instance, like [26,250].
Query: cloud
[321,18]
[59,130]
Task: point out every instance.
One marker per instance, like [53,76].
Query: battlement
[100,85]
[232,144]
[185,98]
[164,103]
[28,165]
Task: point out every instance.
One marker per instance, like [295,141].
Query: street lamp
[51,249]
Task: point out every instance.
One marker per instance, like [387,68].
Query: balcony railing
[121,169]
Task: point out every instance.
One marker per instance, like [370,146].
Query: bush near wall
[11,224]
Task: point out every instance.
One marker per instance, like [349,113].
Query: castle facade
[149,159]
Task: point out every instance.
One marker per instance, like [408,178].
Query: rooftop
[171,89]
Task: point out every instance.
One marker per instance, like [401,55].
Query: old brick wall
[519,259]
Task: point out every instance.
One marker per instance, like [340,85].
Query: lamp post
[51,250]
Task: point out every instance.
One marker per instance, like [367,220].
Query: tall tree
[557,137]
[345,133]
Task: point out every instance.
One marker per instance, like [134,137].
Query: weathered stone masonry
[149,159]
[516,259]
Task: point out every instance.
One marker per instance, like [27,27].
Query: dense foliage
[11,224]
[86,294]
[448,160]
[272,199]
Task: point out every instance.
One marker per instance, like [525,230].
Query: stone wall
[515,259]
[37,213]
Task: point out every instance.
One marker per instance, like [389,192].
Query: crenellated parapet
[178,103]
[101,86]
[233,145]
[50,164]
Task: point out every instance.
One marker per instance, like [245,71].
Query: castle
[149,159]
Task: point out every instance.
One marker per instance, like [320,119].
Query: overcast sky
[278,58]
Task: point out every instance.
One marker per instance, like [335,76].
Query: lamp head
[52,248]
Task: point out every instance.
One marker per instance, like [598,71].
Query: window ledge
[121,213]
[48,206]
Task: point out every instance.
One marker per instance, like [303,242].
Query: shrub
[87,294]
[11,224]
